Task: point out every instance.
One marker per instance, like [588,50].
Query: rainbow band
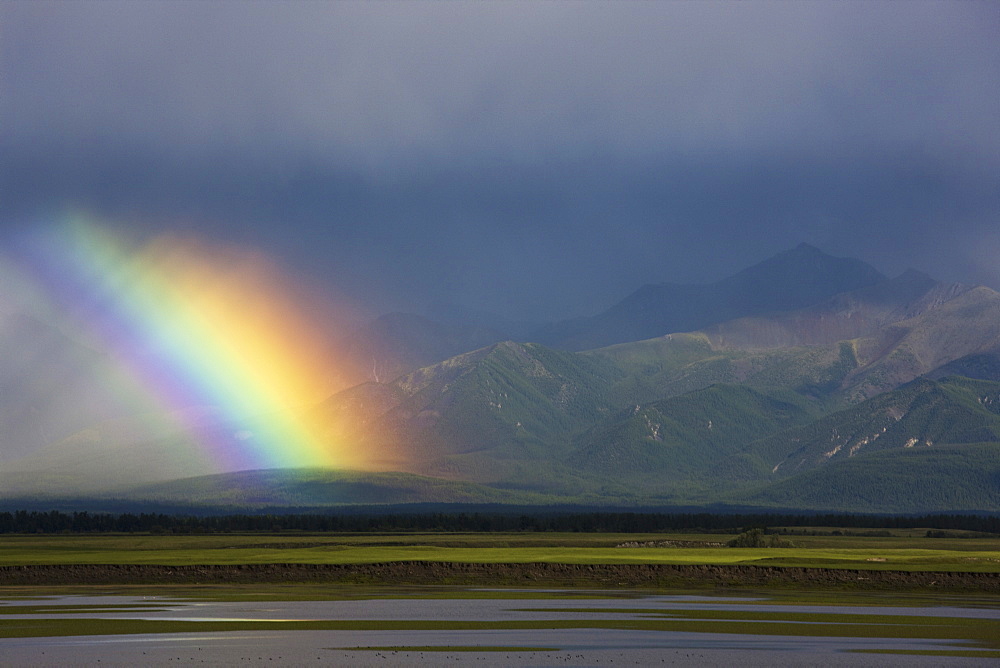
[213,329]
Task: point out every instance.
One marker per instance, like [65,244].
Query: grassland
[903,550]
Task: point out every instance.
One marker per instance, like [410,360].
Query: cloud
[376,80]
[426,150]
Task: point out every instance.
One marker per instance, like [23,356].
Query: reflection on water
[642,629]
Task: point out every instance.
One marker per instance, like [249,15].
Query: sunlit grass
[888,553]
[167,594]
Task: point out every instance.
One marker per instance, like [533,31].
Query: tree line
[52,522]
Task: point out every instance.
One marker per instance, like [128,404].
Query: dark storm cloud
[538,158]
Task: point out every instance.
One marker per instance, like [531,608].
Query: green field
[907,550]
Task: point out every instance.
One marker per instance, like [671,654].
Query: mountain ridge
[684,417]
[790,280]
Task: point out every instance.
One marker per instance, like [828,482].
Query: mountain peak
[799,262]
[797,278]
[793,279]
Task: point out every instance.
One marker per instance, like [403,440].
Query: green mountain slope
[918,415]
[477,415]
[514,399]
[954,478]
[680,363]
[526,418]
[696,439]
[985,366]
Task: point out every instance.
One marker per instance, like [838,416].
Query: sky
[540,160]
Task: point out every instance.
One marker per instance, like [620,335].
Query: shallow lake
[436,626]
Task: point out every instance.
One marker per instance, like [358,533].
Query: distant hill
[790,280]
[323,487]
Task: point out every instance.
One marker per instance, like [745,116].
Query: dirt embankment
[450,573]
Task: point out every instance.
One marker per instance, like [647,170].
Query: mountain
[925,447]
[688,413]
[848,315]
[929,446]
[700,448]
[486,416]
[858,394]
[967,325]
[679,363]
[527,416]
[949,323]
[790,280]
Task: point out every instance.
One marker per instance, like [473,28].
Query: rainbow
[204,330]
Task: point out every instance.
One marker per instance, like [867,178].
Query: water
[556,627]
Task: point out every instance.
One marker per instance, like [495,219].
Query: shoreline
[516,575]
